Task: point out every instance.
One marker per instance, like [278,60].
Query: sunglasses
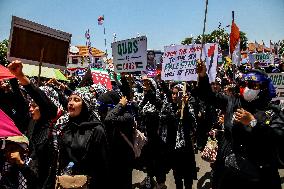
[251,85]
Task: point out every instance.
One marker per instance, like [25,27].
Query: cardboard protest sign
[28,39]
[179,61]
[130,55]
[265,59]
[278,82]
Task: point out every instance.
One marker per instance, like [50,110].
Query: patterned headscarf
[52,95]
[89,99]
[91,104]
[179,87]
[99,89]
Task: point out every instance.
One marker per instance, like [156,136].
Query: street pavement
[203,176]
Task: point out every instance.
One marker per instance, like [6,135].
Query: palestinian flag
[102,77]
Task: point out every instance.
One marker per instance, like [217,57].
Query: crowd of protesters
[143,123]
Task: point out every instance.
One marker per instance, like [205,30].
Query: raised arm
[204,90]
[47,108]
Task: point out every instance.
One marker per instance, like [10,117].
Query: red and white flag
[102,77]
[235,44]
[101,20]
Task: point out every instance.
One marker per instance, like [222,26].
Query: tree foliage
[3,52]
[219,35]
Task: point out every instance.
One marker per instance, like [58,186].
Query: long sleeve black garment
[21,106]
[125,88]
[15,106]
[120,121]
[165,89]
[47,109]
[85,144]
[30,174]
[38,134]
[183,159]
[9,177]
[257,145]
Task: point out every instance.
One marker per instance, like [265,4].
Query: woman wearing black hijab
[119,125]
[83,140]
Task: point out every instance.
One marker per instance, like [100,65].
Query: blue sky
[163,22]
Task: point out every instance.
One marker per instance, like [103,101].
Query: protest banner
[179,61]
[33,43]
[278,82]
[265,59]
[130,55]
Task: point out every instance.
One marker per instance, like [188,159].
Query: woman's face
[75,104]
[34,111]
[13,152]
[146,85]
[175,95]
[228,91]
[151,55]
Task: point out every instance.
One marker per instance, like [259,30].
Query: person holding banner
[154,153]
[247,155]
[182,157]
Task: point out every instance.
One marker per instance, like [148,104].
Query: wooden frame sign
[36,44]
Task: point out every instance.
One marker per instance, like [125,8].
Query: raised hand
[201,68]
[123,101]
[16,68]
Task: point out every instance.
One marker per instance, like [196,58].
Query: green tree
[221,36]
[3,52]
[187,41]
[244,40]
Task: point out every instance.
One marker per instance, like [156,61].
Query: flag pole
[203,32]
[105,38]
[233,20]
[40,66]
[202,40]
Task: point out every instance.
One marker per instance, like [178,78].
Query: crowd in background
[143,123]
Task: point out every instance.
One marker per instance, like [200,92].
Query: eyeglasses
[251,85]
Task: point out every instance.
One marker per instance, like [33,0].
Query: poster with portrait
[151,61]
[154,60]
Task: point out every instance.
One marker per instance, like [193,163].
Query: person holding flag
[235,44]
[248,153]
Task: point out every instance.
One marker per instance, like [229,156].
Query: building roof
[83,51]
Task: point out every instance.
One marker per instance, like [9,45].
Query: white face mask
[250,94]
